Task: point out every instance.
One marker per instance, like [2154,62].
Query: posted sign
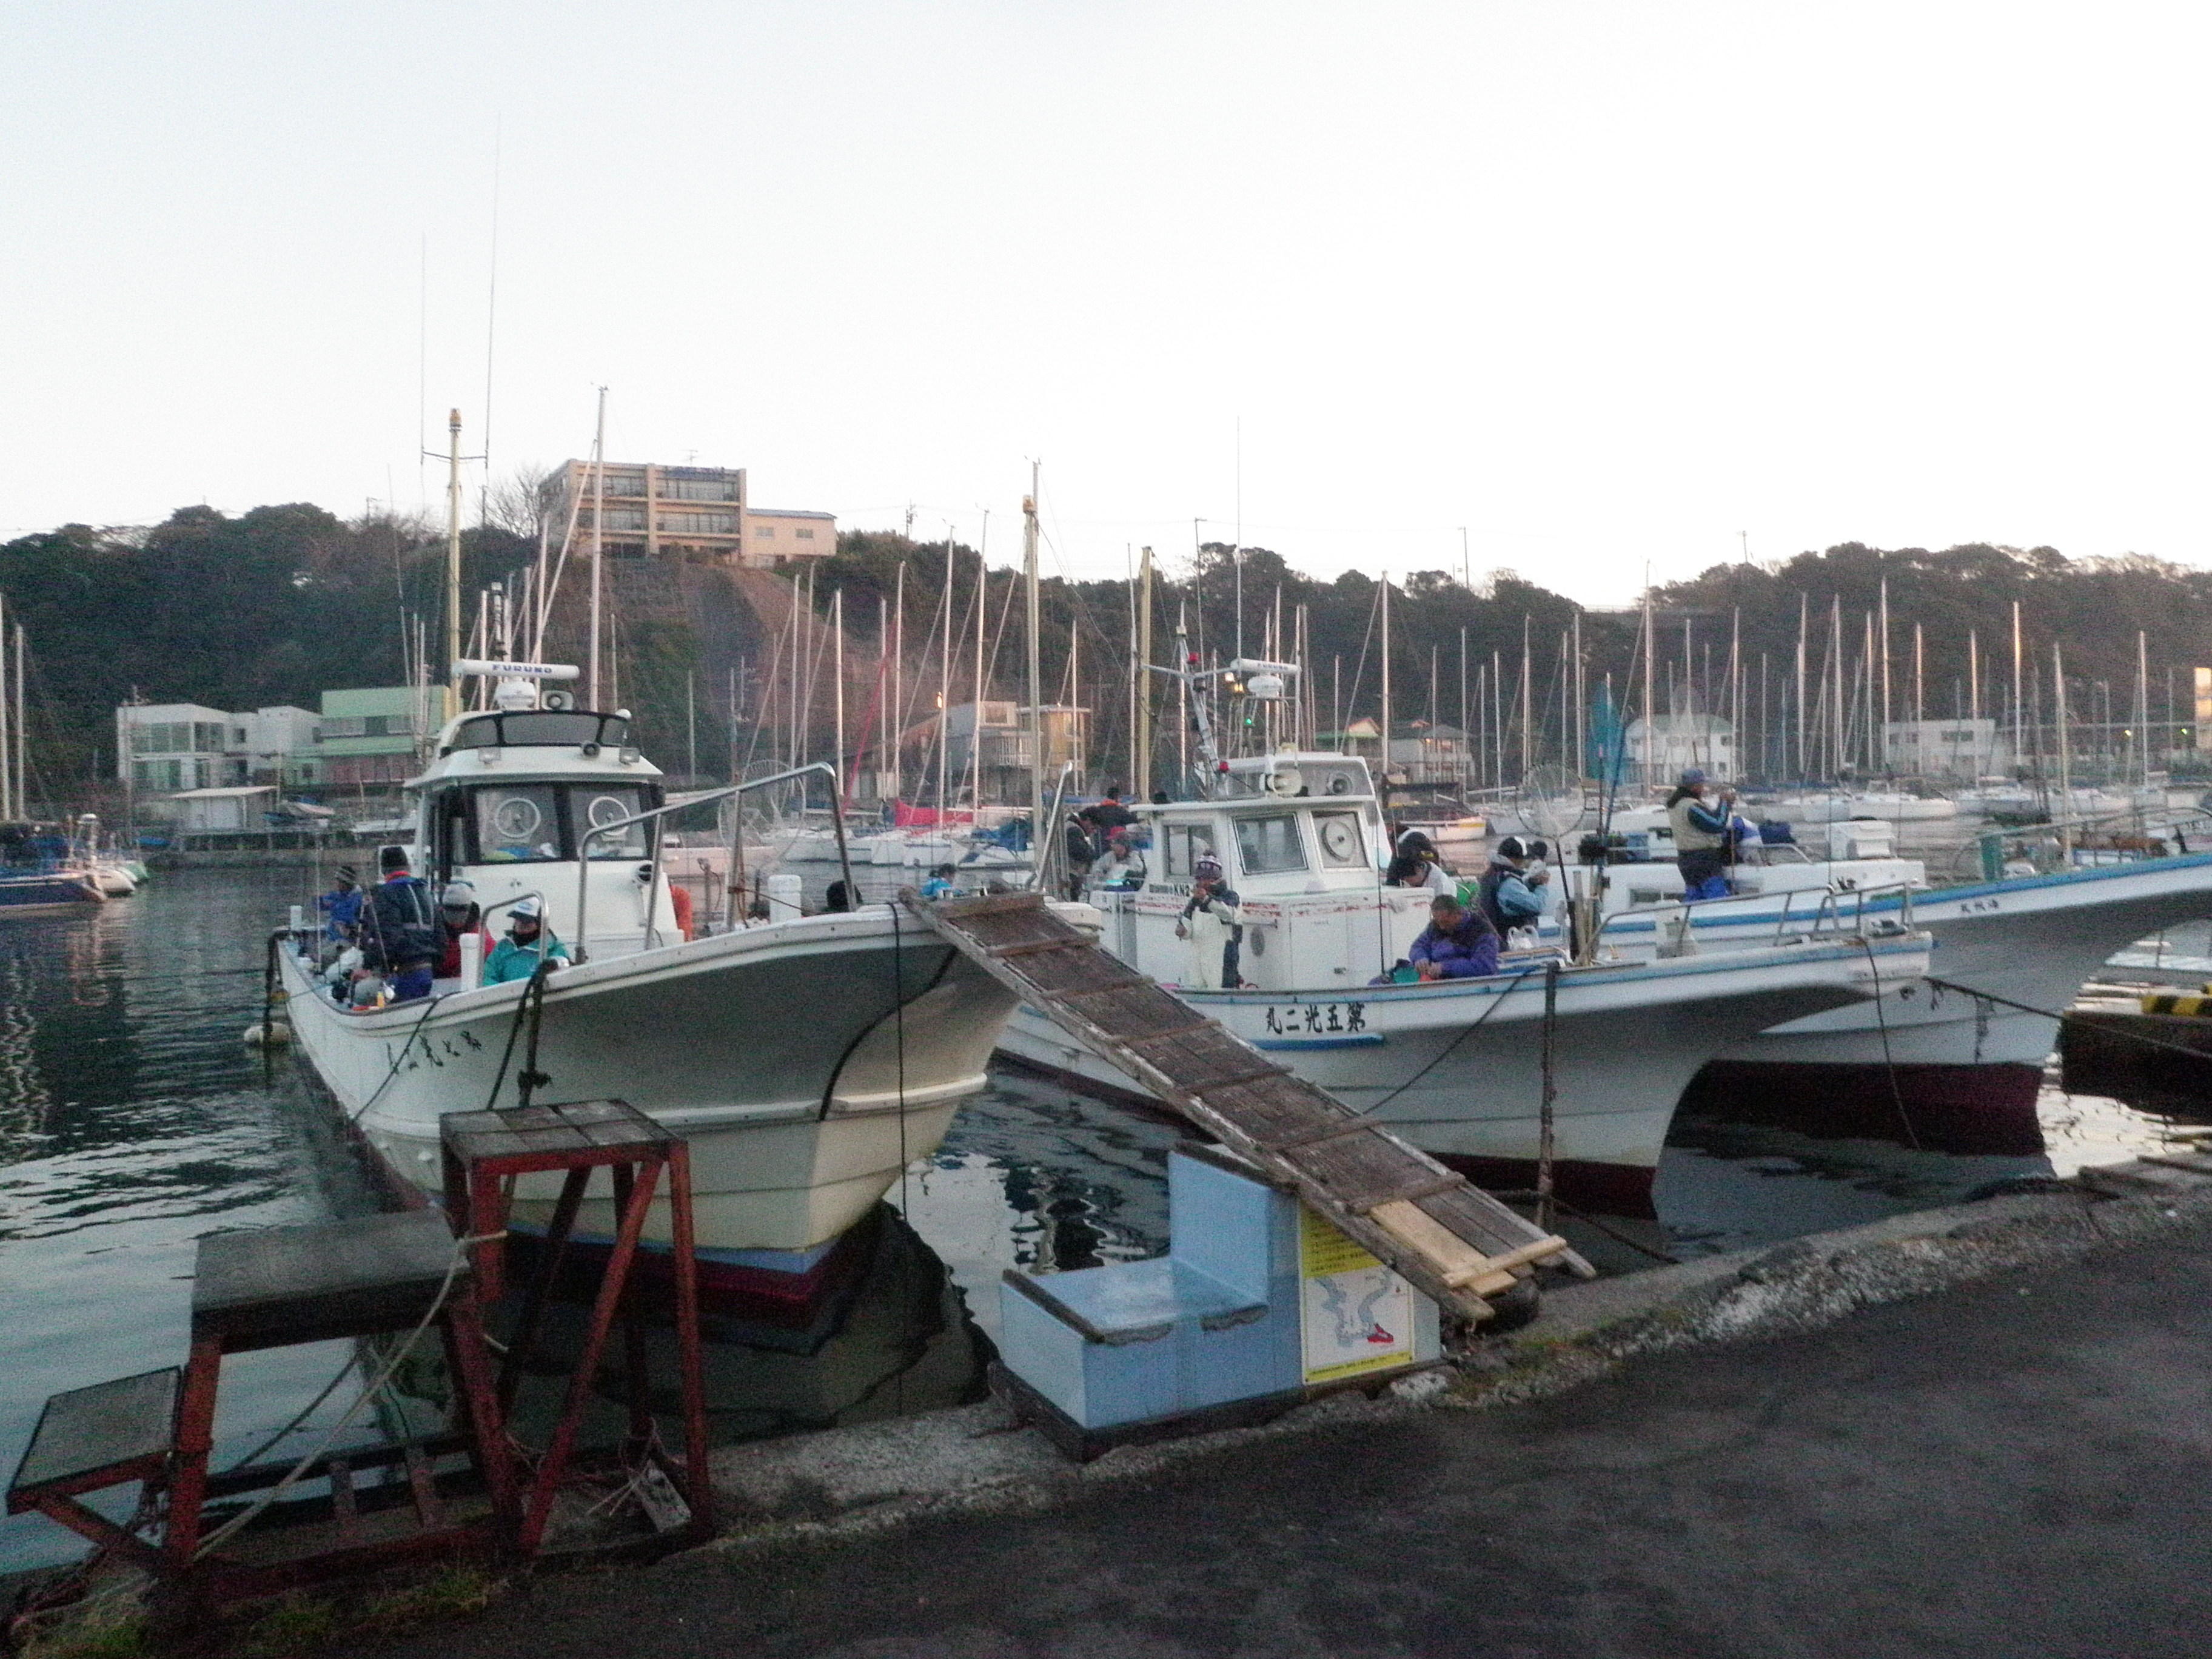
[1355,1314]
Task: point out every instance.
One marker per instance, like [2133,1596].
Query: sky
[1582,290]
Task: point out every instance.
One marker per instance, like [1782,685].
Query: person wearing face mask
[528,942]
[458,915]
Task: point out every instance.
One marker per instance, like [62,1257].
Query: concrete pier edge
[846,1484]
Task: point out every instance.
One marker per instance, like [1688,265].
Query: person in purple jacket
[1457,944]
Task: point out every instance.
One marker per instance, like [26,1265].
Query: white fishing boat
[807,1061]
[1947,1057]
[1456,1066]
[1897,807]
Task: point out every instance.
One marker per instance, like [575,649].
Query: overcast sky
[1604,283]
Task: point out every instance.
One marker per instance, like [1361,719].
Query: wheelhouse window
[1186,843]
[596,805]
[1343,846]
[539,728]
[1269,845]
[519,823]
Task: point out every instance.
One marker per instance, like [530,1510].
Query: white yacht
[807,1061]
[1456,1066]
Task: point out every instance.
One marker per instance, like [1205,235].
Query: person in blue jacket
[1457,944]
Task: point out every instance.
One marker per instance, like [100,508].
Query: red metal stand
[485,1153]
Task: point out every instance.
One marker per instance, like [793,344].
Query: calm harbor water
[133,1121]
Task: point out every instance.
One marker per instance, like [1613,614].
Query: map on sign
[1355,1314]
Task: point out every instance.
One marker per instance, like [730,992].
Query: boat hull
[1457,1068]
[806,1062]
[2032,941]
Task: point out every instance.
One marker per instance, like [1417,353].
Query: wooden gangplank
[1456,1242]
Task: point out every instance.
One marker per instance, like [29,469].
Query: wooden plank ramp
[1456,1242]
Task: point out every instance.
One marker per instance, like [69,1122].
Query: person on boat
[837,900]
[939,885]
[1457,944]
[1081,851]
[1213,919]
[399,929]
[1415,864]
[341,907]
[1702,835]
[529,941]
[1505,896]
[1108,814]
[458,915]
[1121,867]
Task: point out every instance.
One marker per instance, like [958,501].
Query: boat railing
[653,873]
[2133,833]
[1835,911]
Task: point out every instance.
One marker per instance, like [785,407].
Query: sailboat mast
[898,681]
[1382,777]
[7,811]
[975,732]
[837,664]
[2065,810]
[945,690]
[2142,704]
[598,542]
[1039,833]
[2017,744]
[1651,711]
[1528,709]
[1804,621]
[1880,751]
[1143,781]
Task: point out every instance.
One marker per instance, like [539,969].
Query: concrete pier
[1986,1430]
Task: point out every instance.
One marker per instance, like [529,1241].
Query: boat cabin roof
[535,728]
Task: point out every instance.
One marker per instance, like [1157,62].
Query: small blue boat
[41,875]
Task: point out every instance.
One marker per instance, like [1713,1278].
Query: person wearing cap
[1504,895]
[1702,835]
[529,941]
[1416,864]
[1121,867]
[939,885]
[458,915]
[341,907]
[399,929]
[1213,921]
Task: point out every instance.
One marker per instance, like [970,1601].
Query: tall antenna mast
[452,565]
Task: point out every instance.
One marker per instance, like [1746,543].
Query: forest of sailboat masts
[1976,662]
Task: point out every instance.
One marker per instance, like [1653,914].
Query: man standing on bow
[1213,921]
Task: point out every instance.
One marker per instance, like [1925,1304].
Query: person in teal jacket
[528,941]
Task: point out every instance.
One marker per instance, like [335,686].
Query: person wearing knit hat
[1213,919]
